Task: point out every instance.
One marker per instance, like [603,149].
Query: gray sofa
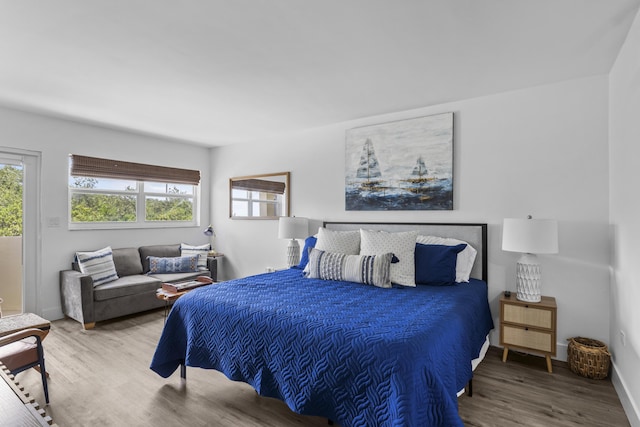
[133,292]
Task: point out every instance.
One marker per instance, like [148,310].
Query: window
[259,196]
[256,204]
[112,194]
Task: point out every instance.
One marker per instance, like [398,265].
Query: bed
[354,353]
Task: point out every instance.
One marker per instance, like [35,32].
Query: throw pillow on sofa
[202,251]
[186,264]
[98,264]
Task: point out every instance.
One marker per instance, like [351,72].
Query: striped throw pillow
[368,269]
[98,264]
[202,251]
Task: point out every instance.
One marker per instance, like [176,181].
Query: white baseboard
[630,408]
[561,351]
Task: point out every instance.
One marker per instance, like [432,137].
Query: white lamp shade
[533,236]
[293,227]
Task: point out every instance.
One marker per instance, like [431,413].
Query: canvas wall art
[403,165]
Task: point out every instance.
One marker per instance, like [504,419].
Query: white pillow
[402,245]
[465,260]
[98,264]
[202,251]
[342,242]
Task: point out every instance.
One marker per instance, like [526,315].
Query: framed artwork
[403,165]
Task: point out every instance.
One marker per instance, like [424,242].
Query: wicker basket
[589,358]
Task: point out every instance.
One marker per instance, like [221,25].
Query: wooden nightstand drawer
[529,316]
[527,338]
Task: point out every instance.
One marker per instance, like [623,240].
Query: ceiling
[217,72]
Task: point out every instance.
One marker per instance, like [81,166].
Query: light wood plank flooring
[102,378]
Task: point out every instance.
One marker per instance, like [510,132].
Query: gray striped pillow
[368,269]
[98,264]
[202,252]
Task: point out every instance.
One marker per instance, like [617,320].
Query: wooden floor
[102,378]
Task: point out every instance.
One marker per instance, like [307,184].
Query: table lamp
[529,236]
[212,234]
[293,228]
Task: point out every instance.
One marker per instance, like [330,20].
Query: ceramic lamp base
[528,278]
[293,253]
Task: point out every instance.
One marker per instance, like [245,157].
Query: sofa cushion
[127,261]
[202,251]
[179,264]
[98,264]
[125,286]
[163,251]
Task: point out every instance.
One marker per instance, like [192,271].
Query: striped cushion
[98,264]
[367,269]
[202,252]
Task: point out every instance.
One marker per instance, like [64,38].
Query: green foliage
[10,201]
[168,209]
[102,208]
[118,207]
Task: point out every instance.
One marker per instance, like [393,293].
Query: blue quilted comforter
[356,354]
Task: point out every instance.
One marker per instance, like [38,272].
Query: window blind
[260,185]
[106,168]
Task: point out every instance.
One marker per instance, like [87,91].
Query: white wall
[624,131]
[540,151]
[56,139]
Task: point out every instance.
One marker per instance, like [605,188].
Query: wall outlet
[623,338]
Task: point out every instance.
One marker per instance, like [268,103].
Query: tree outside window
[10,200]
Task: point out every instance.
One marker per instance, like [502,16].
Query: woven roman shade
[105,168]
[260,185]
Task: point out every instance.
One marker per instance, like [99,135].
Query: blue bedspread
[356,354]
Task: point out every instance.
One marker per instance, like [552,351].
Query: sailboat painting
[402,165]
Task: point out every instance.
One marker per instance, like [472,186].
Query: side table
[528,326]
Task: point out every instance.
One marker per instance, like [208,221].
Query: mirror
[259,196]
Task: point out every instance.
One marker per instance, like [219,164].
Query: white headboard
[474,234]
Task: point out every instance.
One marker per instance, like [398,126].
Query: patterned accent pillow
[98,264]
[202,251]
[465,259]
[343,242]
[184,264]
[402,245]
[367,269]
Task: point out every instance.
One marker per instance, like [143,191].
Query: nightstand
[528,326]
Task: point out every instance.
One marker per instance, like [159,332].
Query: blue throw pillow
[309,243]
[185,264]
[436,264]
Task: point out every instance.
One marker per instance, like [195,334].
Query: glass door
[11,233]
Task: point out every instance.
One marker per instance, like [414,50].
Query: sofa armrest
[212,266]
[76,291]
